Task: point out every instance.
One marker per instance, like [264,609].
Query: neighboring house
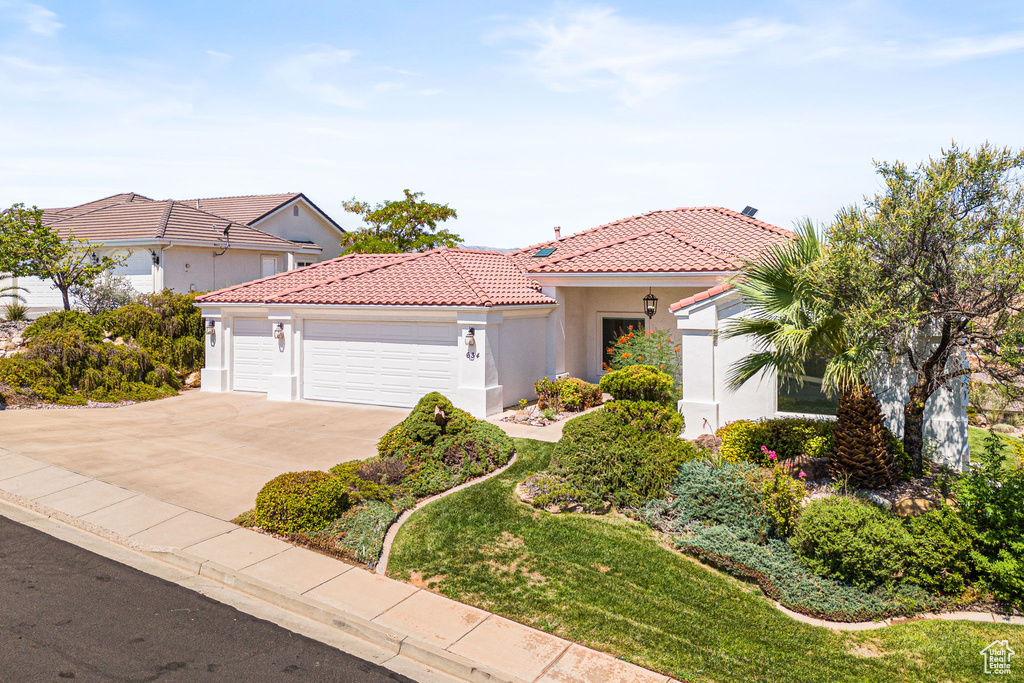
[195,244]
[482,327]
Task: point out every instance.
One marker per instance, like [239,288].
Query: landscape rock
[708,441]
[193,380]
[912,507]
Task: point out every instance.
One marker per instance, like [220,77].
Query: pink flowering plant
[783,494]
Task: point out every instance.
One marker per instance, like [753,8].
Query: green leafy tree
[931,267]
[395,227]
[27,247]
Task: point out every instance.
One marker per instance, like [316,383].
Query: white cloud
[40,20]
[597,48]
[317,73]
[219,56]
[429,92]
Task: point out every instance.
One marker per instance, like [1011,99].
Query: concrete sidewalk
[458,639]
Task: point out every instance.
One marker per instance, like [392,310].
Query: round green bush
[300,501]
[941,557]
[83,323]
[648,416]
[788,437]
[433,417]
[479,449]
[433,476]
[852,540]
[640,383]
[613,461]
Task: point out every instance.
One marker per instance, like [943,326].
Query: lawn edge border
[389,538]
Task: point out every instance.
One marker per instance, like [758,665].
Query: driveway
[208,452]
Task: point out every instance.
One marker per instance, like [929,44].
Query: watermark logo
[997,657]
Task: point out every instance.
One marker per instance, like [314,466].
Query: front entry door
[611,330]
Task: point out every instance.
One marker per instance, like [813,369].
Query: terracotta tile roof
[243,209]
[701,296]
[164,221]
[122,198]
[676,240]
[441,277]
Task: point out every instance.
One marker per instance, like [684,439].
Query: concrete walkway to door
[207,452]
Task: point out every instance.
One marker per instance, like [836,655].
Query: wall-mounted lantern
[211,326]
[471,337]
[279,330]
[650,304]
[155,256]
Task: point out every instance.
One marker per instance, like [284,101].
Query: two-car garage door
[381,363]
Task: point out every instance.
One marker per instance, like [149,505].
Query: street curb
[26,511]
[389,537]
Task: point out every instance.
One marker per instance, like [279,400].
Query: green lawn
[605,582]
[976,442]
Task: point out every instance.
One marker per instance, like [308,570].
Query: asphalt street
[69,614]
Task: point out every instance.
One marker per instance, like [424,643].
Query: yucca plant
[791,322]
[14,309]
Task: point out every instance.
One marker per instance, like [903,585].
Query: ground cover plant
[139,352]
[347,511]
[609,583]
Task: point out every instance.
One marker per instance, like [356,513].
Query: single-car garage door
[382,363]
[253,354]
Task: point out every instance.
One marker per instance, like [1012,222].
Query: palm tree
[792,322]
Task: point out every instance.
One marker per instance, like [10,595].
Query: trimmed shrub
[788,437]
[648,416]
[433,476]
[613,461]
[481,448]
[852,540]
[640,383]
[359,488]
[65,320]
[941,553]
[300,501]
[549,489]
[433,417]
[568,393]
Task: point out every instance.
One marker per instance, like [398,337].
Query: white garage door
[40,294]
[382,363]
[138,269]
[253,353]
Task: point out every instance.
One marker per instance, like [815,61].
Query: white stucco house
[194,244]
[482,327]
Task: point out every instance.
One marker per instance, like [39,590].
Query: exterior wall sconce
[155,256]
[650,304]
[279,330]
[211,327]
[471,337]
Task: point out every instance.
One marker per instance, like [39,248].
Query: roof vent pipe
[558,232]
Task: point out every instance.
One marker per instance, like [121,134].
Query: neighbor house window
[612,329]
[303,264]
[806,396]
[295,210]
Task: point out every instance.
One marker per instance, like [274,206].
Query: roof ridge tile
[339,278]
[466,277]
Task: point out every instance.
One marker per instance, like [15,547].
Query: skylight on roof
[544,252]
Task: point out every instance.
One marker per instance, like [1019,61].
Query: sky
[520,115]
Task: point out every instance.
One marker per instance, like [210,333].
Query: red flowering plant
[646,347]
[783,494]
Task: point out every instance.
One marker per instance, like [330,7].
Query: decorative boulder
[816,469]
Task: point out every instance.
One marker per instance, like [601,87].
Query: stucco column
[215,369]
[555,364]
[479,392]
[284,383]
[699,405]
